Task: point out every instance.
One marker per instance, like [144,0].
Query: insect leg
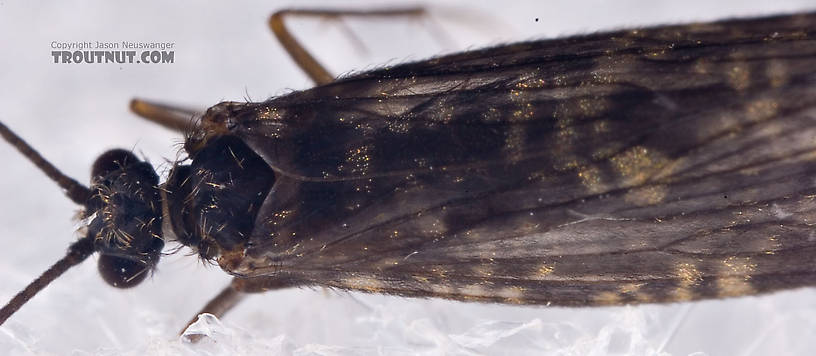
[172,117]
[301,56]
[230,296]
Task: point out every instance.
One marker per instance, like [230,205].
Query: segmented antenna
[75,191]
[77,252]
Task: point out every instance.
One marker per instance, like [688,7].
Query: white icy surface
[224,51]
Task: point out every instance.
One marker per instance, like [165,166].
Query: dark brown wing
[652,165]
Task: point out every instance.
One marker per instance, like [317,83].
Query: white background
[71,113]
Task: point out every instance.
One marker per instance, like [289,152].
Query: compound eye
[122,272]
[111,161]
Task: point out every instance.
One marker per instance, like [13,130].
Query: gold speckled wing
[662,164]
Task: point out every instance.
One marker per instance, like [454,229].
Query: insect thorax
[212,203]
